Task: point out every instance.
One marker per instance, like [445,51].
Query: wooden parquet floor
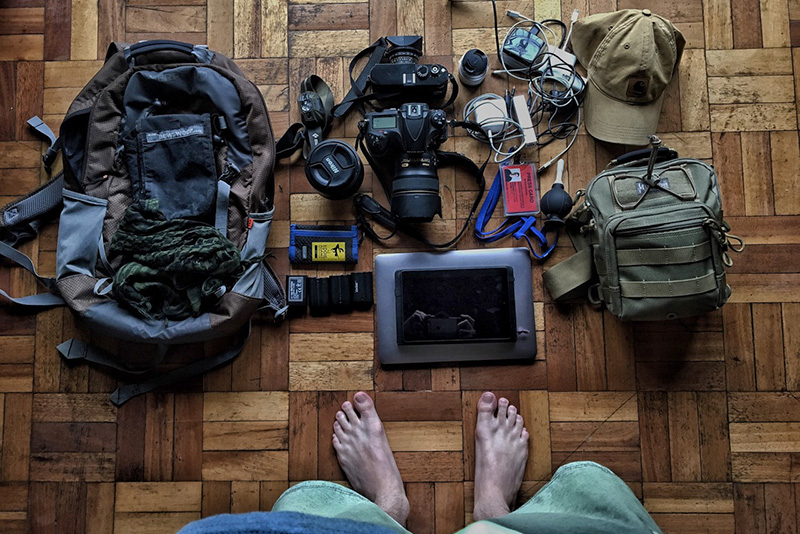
[701,417]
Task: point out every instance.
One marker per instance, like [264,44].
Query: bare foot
[366,458]
[501,450]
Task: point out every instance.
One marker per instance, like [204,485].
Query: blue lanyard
[518,227]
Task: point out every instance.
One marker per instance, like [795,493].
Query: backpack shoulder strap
[21,219]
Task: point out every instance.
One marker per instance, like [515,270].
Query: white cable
[511,129]
[572,20]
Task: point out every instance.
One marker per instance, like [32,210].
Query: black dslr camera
[401,79]
[404,142]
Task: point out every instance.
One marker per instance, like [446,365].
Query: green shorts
[582,497]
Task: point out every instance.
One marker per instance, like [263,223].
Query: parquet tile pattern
[701,417]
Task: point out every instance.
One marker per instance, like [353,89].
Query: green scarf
[172,269]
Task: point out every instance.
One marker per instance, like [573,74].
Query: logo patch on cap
[637,86]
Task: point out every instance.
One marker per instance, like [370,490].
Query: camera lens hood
[334,169]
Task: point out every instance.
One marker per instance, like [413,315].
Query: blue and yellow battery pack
[323,244]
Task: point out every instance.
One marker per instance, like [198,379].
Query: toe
[341,418]
[365,405]
[518,423]
[336,442]
[512,415]
[352,416]
[338,430]
[525,434]
[487,405]
[502,408]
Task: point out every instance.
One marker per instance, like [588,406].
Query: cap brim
[610,120]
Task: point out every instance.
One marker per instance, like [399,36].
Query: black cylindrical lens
[415,193]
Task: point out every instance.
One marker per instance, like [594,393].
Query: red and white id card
[519,190]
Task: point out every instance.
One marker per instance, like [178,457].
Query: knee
[584,469]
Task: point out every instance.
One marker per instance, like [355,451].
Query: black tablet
[469,305]
[454,306]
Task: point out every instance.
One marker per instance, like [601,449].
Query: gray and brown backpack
[165,204]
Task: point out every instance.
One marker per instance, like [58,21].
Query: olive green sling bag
[651,240]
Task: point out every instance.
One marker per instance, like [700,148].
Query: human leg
[592,491]
[501,450]
[331,500]
[581,497]
[366,458]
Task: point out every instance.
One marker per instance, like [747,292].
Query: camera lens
[415,193]
[404,49]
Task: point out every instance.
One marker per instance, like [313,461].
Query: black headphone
[332,167]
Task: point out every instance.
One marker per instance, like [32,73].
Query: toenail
[503,400]
[361,396]
[346,404]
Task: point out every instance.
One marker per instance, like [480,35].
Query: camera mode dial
[438,118]
[377,143]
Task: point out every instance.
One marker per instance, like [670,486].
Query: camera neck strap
[368,208]
[316,116]
[358,86]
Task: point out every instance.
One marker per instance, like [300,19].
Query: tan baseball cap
[630,55]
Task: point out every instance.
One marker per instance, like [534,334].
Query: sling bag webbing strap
[668,288]
[572,277]
[76,351]
[664,255]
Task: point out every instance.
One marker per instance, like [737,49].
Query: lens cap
[334,169]
[475,62]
